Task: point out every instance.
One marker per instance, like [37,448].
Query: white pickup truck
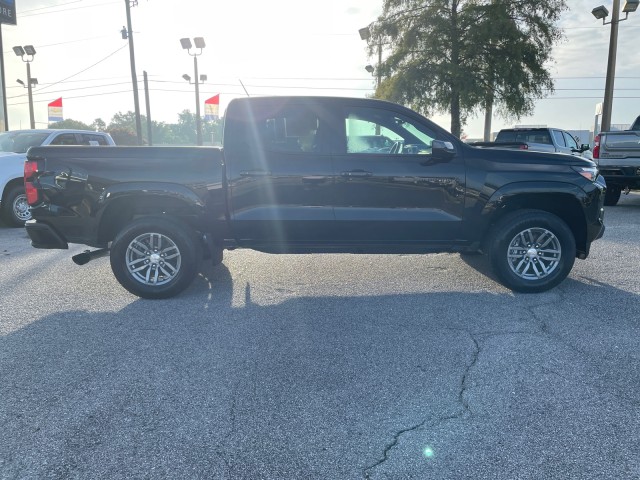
[13,152]
[618,157]
[543,139]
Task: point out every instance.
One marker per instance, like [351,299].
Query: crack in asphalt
[464,403]
[544,328]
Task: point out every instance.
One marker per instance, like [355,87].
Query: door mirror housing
[442,149]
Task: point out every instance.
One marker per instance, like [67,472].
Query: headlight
[590,173]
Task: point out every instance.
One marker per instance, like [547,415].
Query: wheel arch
[125,207]
[15,182]
[562,200]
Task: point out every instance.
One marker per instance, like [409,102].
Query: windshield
[20,142]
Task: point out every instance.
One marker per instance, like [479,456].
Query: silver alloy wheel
[153,259]
[21,208]
[534,253]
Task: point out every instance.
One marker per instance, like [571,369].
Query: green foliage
[99,125]
[457,56]
[123,136]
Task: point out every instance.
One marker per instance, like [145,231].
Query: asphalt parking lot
[322,367]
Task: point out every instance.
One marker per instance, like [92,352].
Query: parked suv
[13,147]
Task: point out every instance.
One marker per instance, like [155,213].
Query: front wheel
[155,257]
[15,208]
[532,251]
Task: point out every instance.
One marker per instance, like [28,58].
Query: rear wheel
[612,195]
[532,251]
[155,257]
[15,208]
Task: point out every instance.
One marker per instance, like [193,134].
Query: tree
[515,42]
[123,136]
[452,55]
[99,125]
[70,124]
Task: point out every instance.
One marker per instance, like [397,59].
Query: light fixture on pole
[601,13]
[365,34]
[29,52]
[199,44]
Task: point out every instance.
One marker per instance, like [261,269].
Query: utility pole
[134,78]
[146,99]
[3,88]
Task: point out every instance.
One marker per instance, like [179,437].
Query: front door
[390,188]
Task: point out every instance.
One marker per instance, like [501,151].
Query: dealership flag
[55,111]
[211,108]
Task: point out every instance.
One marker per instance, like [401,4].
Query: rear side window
[539,137]
[525,136]
[91,139]
[65,139]
[294,129]
[508,136]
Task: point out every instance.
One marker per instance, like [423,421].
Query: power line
[64,9]
[84,70]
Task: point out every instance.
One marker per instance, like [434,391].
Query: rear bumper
[623,176]
[43,235]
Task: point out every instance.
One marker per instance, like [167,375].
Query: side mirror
[442,149]
[584,147]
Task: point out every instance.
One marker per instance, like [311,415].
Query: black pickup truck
[304,175]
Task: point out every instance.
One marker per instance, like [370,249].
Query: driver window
[377,131]
[571,142]
[557,135]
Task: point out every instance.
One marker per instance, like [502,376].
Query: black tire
[612,195]
[531,251]
[155,257]
[217,255]
[15,209]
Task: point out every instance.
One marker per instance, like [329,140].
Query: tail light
[524,146]
[596,146]
[30,172]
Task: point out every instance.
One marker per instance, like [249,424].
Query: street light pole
[601,13]
[198,119]
[611,67]
[29,51]
[32,119]
[199,43]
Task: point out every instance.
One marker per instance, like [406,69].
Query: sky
[282,47]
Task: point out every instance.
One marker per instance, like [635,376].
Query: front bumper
[43,235]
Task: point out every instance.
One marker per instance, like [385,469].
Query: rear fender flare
[165,189]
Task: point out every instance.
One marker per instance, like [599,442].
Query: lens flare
[427,452]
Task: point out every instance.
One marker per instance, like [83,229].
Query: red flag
[55,111]
[211,107]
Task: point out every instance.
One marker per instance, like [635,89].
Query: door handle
[356,173]
[314,179]
[255,173]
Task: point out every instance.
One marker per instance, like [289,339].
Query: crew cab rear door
[400,194]
[280,172]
